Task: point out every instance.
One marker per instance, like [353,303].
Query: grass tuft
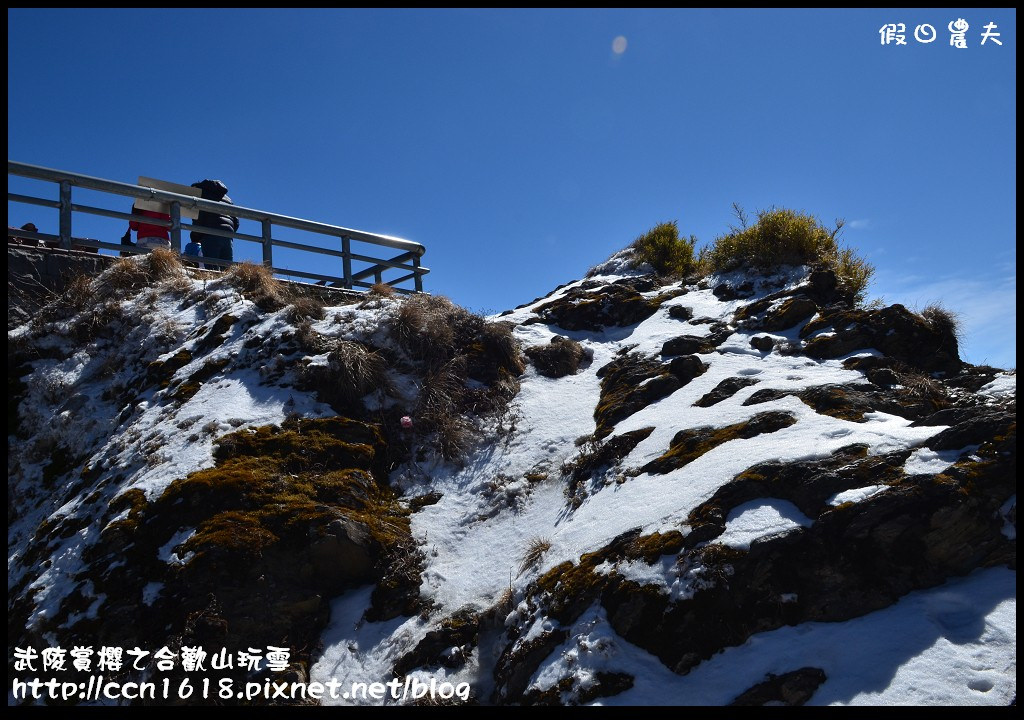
[663,249]
[535,550]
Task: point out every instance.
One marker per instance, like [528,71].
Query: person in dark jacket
[214,246]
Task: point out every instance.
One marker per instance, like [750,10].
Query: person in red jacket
[150,236]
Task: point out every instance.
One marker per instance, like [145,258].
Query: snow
[150,592]
[856,495]
[951,645]
[948,645]
[925,461]
[760,519]
[1003,385]
[1009,529]
[167,553]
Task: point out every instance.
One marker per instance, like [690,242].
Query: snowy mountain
[733,488]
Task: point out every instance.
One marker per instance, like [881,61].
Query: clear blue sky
[521,148]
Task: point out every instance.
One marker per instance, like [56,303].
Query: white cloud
[863,224]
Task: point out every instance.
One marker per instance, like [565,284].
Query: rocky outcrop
[853,559]
[615,305]
[894,331]
[562,356]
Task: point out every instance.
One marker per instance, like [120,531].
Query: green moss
[651,547]
[217,334]
[688,445]
[161,371]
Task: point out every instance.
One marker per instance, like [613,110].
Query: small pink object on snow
[406,422]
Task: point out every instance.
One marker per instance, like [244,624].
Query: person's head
[212,189]
[30,227]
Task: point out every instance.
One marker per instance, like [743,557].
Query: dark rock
[561,357]
[973,377]
[678,312]
[609,305]
[851,402]
[421,501]
[630,383]
[894,331]
[762,343]
[766,395]
[687,445]
[687,345]
[513,670]
[792,688]
[461,631]
[855,558]
[883,377]
[726,292]
[725,389]
[592,463]
[607,684]
[639,283]
[973,428]
[686,367]
[789,313]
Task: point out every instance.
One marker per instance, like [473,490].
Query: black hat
[212,189]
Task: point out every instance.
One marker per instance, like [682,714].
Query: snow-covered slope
[718,487]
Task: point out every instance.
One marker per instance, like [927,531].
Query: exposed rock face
[792,688]
[894,331]
[854,558]
[561,357]
[608,306]
[901,473]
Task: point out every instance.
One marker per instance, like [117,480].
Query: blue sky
[521,148]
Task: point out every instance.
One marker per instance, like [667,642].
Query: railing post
[268,244]
[377,277]
[65,214]
[176,226]
[418,280]
[346,248]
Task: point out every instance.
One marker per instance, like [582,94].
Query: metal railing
[408,261]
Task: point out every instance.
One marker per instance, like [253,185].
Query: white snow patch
[856,494]
[167,552]
[759,519]
[951,645]
[925,461]
[1003,385]
[150,592]
[1009,529]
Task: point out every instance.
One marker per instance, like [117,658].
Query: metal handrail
[408,260]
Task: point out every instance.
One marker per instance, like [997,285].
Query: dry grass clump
[425,326]
[352,372]
[788,237]
[468,366]
[663,249]
[257,282]
[561,357]
[535,550]
[943,321]
[381,289]
[78,293]
[442,408]
[304,307]
[133,273]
